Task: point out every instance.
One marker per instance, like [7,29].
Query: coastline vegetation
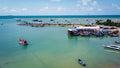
[108,22]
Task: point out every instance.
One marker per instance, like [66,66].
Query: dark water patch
[7,63]
[40,60]
[10,62]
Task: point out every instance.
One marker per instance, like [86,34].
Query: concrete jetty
[47,24]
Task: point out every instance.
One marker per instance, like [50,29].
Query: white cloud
[44,9]
[85,2]
[18,10]
[78,5]
[55,0]
[14,10]
[115,6]
[90,9]
[94,3]
[24,9]
[86,9]
[99,9]
[7,9]
[61,9]
[4,8]
[88,5]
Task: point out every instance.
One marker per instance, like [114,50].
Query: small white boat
[115,47]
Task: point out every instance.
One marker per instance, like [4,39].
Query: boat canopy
[81,27]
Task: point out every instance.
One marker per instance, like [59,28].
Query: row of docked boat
[93,30]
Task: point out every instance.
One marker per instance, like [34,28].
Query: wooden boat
[81,62]
[23,42]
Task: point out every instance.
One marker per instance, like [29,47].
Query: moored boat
[115,47]
[73,32]
[93,30]
[81,62]
[23,42]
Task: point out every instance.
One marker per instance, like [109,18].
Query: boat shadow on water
[112,51]
[87,37]
[24,47]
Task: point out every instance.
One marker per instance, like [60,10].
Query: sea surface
[61,16]
[52,47]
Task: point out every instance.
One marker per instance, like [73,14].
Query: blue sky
[59,7]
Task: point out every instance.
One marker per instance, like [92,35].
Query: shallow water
[51,47]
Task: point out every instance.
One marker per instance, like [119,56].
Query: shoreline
[48,24]
[63,25]
[62,22]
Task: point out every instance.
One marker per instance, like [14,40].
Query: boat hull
[114,47]
[24,44]
[81,62]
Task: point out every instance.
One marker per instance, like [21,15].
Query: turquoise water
[51,47]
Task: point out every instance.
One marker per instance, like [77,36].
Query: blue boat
[81,62]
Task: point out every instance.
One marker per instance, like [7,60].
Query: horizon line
[60,15]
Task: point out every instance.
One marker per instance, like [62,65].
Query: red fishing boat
[23,42]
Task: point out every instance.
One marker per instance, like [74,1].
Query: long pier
[47,24]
